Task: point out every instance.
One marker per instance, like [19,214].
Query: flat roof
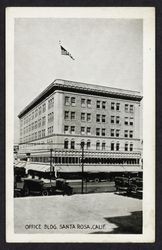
[79,87]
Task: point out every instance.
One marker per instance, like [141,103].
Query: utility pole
[82,147]
[51,164]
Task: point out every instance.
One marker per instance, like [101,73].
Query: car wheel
[45,193]
[97,180]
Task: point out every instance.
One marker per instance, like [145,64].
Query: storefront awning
[38,167]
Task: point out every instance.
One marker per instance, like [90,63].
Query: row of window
[37,124]
[99,146]
[39,134]
[99,104]
[38,111]
[99,118]
[87,160]
[99,131]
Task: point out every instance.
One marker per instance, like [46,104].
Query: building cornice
[78,87]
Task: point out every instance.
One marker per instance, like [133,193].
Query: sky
[106,51]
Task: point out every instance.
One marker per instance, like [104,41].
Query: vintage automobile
[136,185]
[128,185]
[122,184]
[35,186]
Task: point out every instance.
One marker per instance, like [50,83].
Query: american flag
[65,52]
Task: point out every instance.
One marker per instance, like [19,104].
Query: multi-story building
[67,113]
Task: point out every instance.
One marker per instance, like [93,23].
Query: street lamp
[82,147]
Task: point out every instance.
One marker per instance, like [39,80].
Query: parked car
[36,186]
[136,185]
[128,185]
[122,184]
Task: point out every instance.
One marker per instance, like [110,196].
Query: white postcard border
[148,16]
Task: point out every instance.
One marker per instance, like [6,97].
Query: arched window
[112,146]
[103,145]
[131,146]
[97,145]
[88,144]
[66,144]
[72,144]
[82,141]
[126,146]
[117,146]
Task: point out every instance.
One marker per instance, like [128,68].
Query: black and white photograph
[80,120]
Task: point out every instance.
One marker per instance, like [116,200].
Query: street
[92,187]
[88,213]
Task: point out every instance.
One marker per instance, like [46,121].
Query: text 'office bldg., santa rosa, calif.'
[67,113]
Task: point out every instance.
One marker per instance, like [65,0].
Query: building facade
[67,113]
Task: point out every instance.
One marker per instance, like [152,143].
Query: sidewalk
[88,213]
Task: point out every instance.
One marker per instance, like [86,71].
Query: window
[131,121]
[82,102]
[103,145]
[66,129]
[82,116]
[43,120]
[126,147]
[112,119]
[40,110]
[72,129]
[67,99]
[131,109]
[131,147]
[112,132]
[89,103]
[50,130]
[88,144]
[103,131]
[35,124]
[97,145]
[88,130]
[98,131]
[103,104]
[43,132]
[125,133]
[39,123]
[126,121]
[117,119]
[98,118]
[126,107]
[52,102]
[88,117]
[44,107]
[82,130]
[117,133]
[72,144]
[112,146]
[66,115]
[66,144]
[72,115]
[50,117]
[131,134]
[73,101]
[103,118]
[98,104]
[36,113]
[39,134]
[112,105]
[117,146]
[35,135]
[117,106]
